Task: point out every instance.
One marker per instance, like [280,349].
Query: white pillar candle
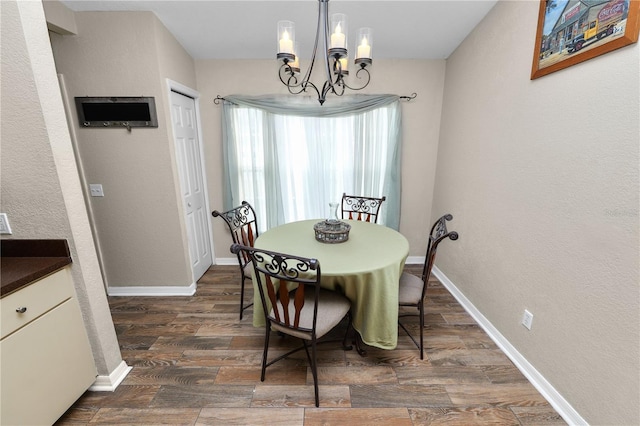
[338,38]
[286,44]
[344,63]
[295,65]
[364,50]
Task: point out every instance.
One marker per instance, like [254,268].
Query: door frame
[174,86]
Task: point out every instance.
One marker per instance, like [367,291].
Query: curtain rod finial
[408,98]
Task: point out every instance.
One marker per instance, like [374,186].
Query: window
[289,165]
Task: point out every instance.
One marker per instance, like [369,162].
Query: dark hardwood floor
[195,363]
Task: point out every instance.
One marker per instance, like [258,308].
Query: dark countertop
[25,261]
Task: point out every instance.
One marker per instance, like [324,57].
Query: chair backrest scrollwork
[362,208]
[243,226]
[438,233]
[282,280]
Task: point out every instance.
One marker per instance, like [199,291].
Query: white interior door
[185,131]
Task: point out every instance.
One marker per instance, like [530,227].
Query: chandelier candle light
[332,34]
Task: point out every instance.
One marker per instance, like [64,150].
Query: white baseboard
[414,260]
[153,291]
[568,413]
[227,261]
[110,383]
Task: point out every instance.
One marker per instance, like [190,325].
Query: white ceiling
[243,29]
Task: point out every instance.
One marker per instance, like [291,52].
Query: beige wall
[542,180]
[420,127]
[40,190]
[26,165]
[138,222]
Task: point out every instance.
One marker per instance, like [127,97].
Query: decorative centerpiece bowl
[332,230]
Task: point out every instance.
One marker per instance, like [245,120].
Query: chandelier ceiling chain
[332,33]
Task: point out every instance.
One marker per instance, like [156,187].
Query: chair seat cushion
[332,307]
[248,270]
[410,289]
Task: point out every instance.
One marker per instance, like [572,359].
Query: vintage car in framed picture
[572,31]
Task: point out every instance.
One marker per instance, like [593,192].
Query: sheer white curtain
[290,158]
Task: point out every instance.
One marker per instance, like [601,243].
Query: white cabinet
[46,361]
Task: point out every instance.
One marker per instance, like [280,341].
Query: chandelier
[332,34]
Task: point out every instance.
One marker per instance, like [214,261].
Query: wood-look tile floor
[195,363]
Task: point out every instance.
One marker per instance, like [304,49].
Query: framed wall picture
[572,31]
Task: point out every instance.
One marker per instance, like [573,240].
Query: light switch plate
[96,190]
[527,319]
[5,228]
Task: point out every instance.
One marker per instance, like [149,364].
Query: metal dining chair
[294,304]
[358,207]
[243,226]
[412,288]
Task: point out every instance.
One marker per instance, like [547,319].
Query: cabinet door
[46,367]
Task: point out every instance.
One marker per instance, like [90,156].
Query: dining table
[365,268]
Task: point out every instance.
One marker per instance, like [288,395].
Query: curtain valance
[307,106]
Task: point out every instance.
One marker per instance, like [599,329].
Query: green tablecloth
[366,268]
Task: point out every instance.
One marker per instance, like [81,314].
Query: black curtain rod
[410,97]
[218,99]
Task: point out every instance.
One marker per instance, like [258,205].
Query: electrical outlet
[5,228]
[96,190]
[527,319]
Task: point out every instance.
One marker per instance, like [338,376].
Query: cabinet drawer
[38,298]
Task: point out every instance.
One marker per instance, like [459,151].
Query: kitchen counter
[25,261]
